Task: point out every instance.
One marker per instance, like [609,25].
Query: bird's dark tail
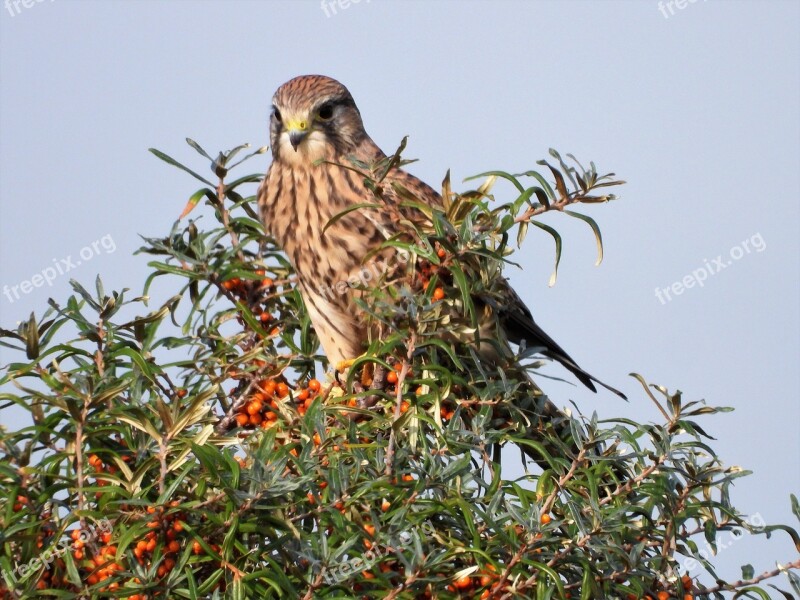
[582,376]
[519,327]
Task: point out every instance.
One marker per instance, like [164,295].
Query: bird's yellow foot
[366,373]
[343,365]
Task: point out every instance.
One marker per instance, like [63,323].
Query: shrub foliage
[187,450]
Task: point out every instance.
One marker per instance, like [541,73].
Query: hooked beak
[297,128]
[295,137]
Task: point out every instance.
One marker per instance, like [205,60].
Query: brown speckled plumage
[316,127]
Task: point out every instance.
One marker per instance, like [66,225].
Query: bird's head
[313,117]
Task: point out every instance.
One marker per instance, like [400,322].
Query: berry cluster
[261,408]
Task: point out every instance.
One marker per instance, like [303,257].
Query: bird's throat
[310,150]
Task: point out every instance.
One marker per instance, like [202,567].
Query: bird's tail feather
[582,376]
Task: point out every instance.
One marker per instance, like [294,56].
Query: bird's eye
[326,112]
[277,114]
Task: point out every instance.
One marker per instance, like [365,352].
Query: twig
[732,587]
[399,401]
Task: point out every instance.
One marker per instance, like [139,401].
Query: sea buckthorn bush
[200,446]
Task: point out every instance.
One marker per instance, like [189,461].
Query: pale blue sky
[697,110]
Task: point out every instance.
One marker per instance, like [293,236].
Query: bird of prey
[315,132]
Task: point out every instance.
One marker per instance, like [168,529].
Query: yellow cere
[296,125]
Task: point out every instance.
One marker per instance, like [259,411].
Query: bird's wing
[514,317]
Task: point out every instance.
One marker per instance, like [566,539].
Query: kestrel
[316,132]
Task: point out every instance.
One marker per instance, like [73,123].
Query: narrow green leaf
[175,163]
[335,218]
[557,240]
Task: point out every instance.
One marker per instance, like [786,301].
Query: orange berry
[545,519]
[301,396]
[463,583]
[408,477]
[151,545]
[177,526]
[314,385]
[317,439]
[370,529]
[282,389]
[386,505]
[663,595]
[174,546]
[256,419]
[182,392]
[310,497]
[106,537]
[265,317]
[391,377]
[253,407]
[76,533]
[368,575]
[438,294]
[78,554]
[197,547]
[242,419]
[267,282]
[485,594]
[441,253]
[404,406]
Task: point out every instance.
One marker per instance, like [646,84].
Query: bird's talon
[343,365]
